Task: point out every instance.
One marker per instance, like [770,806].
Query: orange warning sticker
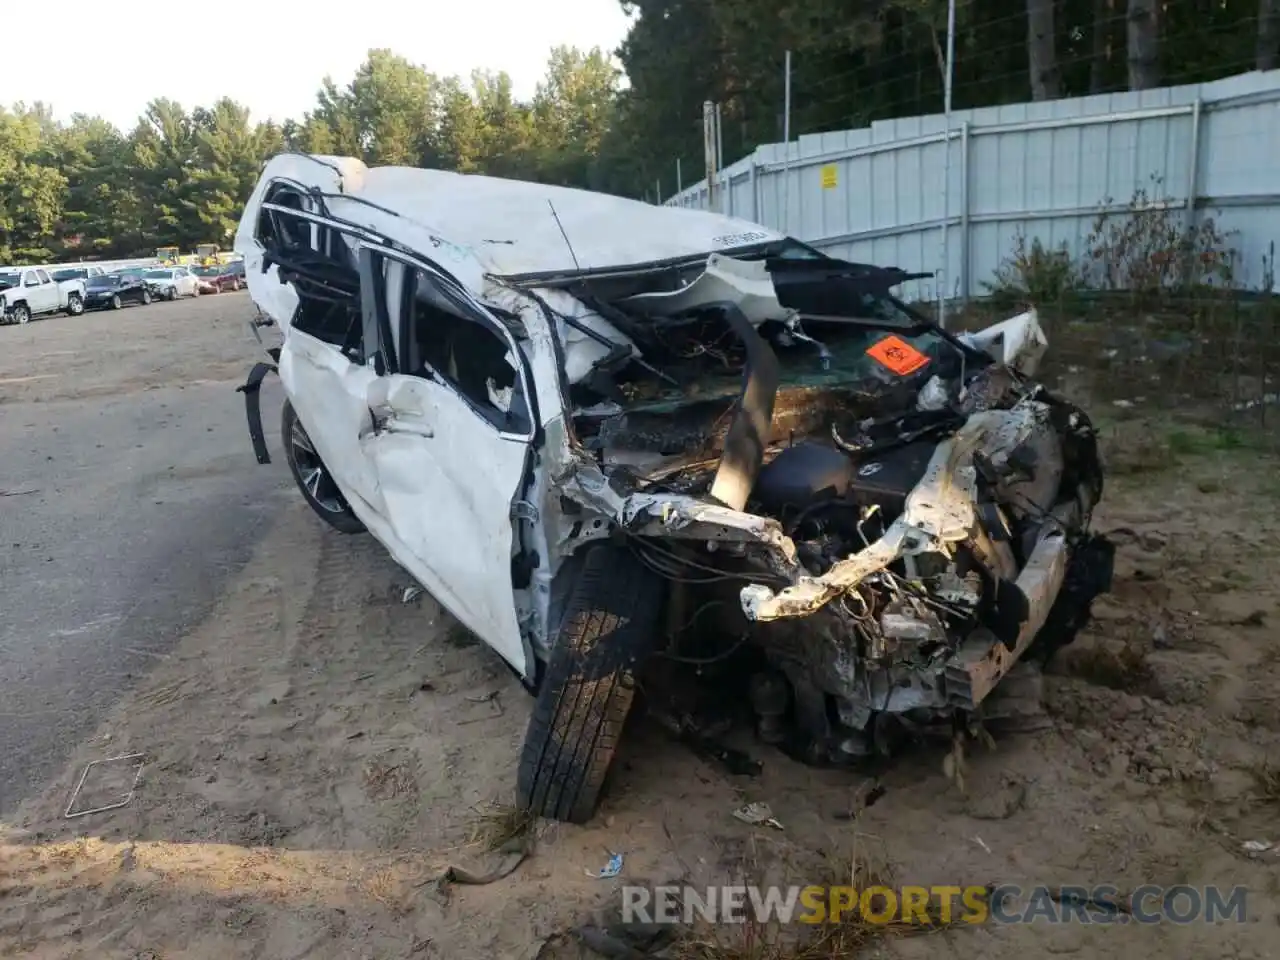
[898,355]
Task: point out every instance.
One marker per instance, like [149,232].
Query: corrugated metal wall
[1046,169]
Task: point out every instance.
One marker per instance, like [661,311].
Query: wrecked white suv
[609,436]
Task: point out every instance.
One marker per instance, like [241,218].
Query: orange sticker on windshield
[898,355]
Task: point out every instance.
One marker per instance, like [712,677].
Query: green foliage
[182,177]
[1146,250]
[1149,248]
[1034,274]
[857,62]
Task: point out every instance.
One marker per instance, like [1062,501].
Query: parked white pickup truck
[27,292]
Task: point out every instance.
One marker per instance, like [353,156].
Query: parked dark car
[114,290]
[226,276]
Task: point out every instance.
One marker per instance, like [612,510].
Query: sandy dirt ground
[125,509]
[318,751]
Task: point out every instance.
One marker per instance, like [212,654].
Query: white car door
[49,292]
[329,391]
[30,287]
[31,291]
[36,297]
[450,440]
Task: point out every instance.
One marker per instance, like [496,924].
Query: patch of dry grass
[867,870]
[497,824]
[387,781]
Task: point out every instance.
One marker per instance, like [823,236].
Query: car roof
[513,227]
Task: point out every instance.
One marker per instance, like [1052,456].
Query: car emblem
[870,469]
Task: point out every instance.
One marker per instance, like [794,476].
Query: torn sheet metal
[747,284]
[939,511]
[980,663]
[1018,343]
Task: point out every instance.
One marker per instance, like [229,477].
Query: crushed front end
[878,518]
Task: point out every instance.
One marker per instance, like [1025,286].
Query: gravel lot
[318,750]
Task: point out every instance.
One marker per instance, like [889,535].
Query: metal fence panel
[1040,169]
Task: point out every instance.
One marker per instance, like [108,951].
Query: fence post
[755,190]
[964,213]
[1193,165]
[946,167]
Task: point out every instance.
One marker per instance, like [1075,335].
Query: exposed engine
[937,502]
[927,635]
[882,659]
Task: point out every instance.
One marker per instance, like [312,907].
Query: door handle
[380,423]
[377,423]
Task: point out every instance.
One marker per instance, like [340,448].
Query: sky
[271,55]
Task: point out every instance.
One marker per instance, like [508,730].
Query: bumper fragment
[251,389]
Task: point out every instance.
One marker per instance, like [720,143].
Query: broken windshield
[830,323]
[860,356]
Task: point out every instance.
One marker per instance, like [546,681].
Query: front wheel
[75,306]
[116,302]
[313,477]
[610,627]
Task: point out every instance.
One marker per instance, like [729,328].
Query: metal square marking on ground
[136,758]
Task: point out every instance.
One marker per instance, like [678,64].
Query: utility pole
[944,275]
[709,152]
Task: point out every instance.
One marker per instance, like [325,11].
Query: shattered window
[318,261]
[448,344]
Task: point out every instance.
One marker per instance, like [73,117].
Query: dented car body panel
[500,373]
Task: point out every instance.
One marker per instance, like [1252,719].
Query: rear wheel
[610,627]
[75,306]
[313,477]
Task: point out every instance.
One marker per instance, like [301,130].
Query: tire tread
[609,627]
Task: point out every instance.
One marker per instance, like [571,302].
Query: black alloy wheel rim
[312,472]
